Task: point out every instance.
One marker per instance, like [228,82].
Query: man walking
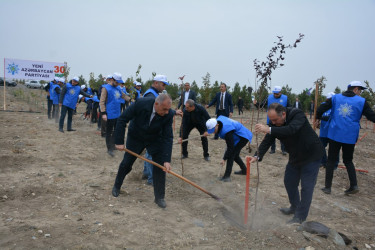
[297,104]
[195,116]
[151,128]
[346,112]
[224,103]
[293,129]
[240,105]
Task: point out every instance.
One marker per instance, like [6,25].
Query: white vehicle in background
[33,84]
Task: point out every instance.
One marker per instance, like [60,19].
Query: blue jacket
[239,129]
[228,103]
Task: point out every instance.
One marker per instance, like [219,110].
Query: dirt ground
[55,192]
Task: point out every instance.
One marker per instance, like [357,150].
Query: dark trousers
[236,157]
[347,157]
[219,113]
[126,166]
[123,107]
[307,174]
[324,141]
[273,146]
[56,112]
[240,110]
[103,126]
[89,107]
[65,109]
[49,108]
[110,134]
[94,117]
[185,135]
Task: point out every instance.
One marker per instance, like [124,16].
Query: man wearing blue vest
[276,97]
[48,89]
[224,103]
[160,81]
[110,106]
[151,128]
[324,125]
[138,90]
[236,137]
[54,96]
[292,127]
[346,112]
[68,100]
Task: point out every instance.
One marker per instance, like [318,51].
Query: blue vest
[95,98]
[89,91]
[113,104]
[239,129]
[123,90]
[71,95]
[51,84]
[324,125]
[152,91]
[346,113]
[283,100]
[54,96]
[139,93]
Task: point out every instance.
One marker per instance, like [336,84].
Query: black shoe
[115,191]
[352,190]
[184,156]
[111,153]
[240,172]
[225,179]
[295,220]
[71,130]
[287,210]
[207,158]
[144,177]
[272,151]
[161,203]
[326,190]
[284,153]
[149,183]
[61,130]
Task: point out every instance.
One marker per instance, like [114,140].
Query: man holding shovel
[151,128]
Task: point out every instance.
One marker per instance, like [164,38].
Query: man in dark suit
[195,116]
[151,128]
[224,103]
[186,95]
[293,129]
[297,104]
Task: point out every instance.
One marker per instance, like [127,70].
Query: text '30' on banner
[34,70]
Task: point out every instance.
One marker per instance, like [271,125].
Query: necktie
[222,101]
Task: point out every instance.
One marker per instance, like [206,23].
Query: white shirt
[186,96]
[152,115]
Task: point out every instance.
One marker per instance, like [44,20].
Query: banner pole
[5,103]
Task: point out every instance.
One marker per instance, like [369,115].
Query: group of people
[150,120]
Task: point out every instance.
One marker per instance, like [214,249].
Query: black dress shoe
[111,153]
[161,203]
[184,156]
[144,177]
[272,151]
[207,158]
[240,172]
[287,210]
[326,190]
[295,220]
[352,190]
[284,153]
[115,191]
[71,130]
[225,179]
[61,130]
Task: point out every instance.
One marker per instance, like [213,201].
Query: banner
[33,70]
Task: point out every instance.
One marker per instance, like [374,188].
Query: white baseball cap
[56,79]
[276,89]
[117,77]
[76,79]
[61,79]
[161,78]
[137,83]
[330,94]
[83,86]
[109,76]
[357,84]
[211,124]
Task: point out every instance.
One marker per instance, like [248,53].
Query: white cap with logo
[357,84]
[117,77]
[211,124]
[161,78]
[276,89]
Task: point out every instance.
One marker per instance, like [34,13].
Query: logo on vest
[345,110]
[72,92]
[117,94]
[281,101]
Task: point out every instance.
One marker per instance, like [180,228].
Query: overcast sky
[192,38]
